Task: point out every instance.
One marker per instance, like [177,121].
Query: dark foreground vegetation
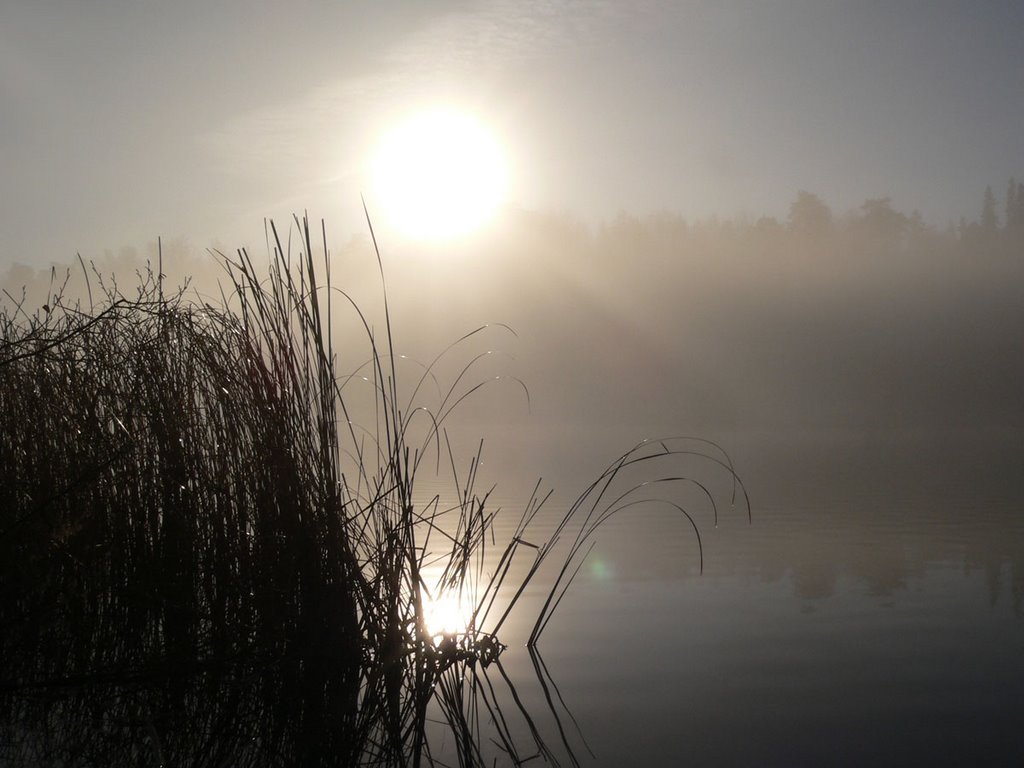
[207,560]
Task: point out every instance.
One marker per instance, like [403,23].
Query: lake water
[871,614]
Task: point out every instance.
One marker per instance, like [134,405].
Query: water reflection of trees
[881,549]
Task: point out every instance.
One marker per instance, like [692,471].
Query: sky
[863,385]
[123,121]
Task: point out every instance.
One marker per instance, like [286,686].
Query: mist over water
[793,229]
[867,352]
[865,376]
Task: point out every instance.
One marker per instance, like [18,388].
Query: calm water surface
[865,617]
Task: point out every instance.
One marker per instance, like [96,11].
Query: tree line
[877,225]
[811,228]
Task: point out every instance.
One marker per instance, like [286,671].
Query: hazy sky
[124,120]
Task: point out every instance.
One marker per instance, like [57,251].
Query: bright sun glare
[446,614]
[438,175]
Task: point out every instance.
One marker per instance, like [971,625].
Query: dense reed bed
[206,559]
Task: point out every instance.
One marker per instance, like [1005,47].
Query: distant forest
[874,228]
[811,226]
[867,325]
[877,224]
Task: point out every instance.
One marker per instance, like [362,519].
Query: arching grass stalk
[598,503]
[201,540]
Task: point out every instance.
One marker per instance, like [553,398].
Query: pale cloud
[124,118]
[321,135]
[500,34]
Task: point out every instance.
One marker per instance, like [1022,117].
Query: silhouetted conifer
[989,220]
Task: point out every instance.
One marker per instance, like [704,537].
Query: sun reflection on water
[447,613]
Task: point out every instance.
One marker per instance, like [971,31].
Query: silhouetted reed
[208,560]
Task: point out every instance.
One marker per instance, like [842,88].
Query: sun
[438,175]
